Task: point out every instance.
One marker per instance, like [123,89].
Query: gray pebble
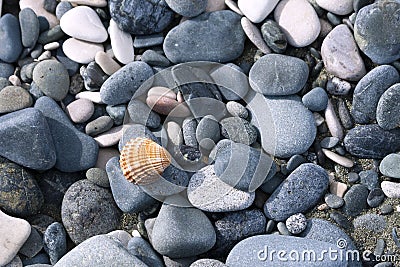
[140,248]
[237,110]
[294,162]
[353,177]
[29,24]
[33,245]
[282,229]
[116,113]
[337,86]
[55,242]
[238,130]
[341,220]
[344,115]
[334,201]
[375,197]
[62,8]
[189,132]
[355,200]
[387,111]
[99,125]
[369,178]
[98,176]
[51,35]
[316,99]
[273,36]
[10,39]
[208,127]
[140,113]
[329,142]
[148,40]
[386,209]
[372,222]
[153,58]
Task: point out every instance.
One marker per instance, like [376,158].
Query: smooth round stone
[243,254]
[208,127]
[20,194]
[140,113]
[372,222]
[298,193]
[25,138]
[375,197]
[345,162]
[95,204]
[55,242]
[143,17]
[100,250]
[10,38]
[238,130]
[334,201]
[52,79]
[369,178]
[148,40]
[29,24]
[336,86]
[232,82]
[207,192]
[99,125]
[6,70]
[81,51]
[98,176]
[121,43]
[13,234]
[390,166]
[329,142]
[254,35]
[296,223]
[93,31]
[187,8]
[292,121]
[387,111]
[316,99]
[391,189]
[379,143]
[225,44]
[14,98]
[237,110]
[294,162]
[355,200]
[153,58]
[257,10]
[180,232]
[123,84]
[341,7]
[80,110]
[110,137]
[298,21]
[51,46]
[269,75]
[377,31]
[335,51]
[140,248]
[38,7]
[353,177]
[273,36]
[369,90]
[137,201]
[251,222]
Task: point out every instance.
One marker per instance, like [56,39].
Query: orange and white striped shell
[143,161]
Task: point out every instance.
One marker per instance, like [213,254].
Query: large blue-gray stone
[122,85]
[25,138]
[75,150]
[262,250]
[388,109]
[214,36]
[301,190]
[140,248]
[29,27]
[10,38]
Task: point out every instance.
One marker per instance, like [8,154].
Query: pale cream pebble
[345,162]
[215,5]
[14,80]
[233,6]
[51,46]
[323,207]
[106,63]
[338,188]
[110,138]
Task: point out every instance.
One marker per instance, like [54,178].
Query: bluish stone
[187,8]
[208,127]
[55,241]
[390,166]
[334,201]
[269,75]
[153,58]
[388,110]
[316,99]
[142,41]
[62,8]
[301,190]
[375,197]
[29,27]
[141,17]
[116,113]
[121,188]
[75,150]
[123,84]
[217,36]
[140,248]
[372,222]
[238,130]
[355,200]
[369,178]
[10,38]
[25,138]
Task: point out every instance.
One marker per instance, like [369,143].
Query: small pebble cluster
[273,123]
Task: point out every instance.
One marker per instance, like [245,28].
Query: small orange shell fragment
[143,161]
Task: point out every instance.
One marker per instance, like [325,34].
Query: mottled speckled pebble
[296,223]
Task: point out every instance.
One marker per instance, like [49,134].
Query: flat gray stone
[10,38]
[390,166]
[388,109]
[187,8]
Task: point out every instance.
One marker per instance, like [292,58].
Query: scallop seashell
[143,161]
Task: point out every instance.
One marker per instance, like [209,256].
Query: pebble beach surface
[276,122]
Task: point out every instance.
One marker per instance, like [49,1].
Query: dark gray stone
[140,248]
[128,196]
[20,194]
[187,8]
[368,91]
[75,150]
[50,5]
[334,201]
[217,36]
[355,200]
[372,222]
[55,242]
[98,176]
[375,197]
[142,41]
[182,232]
[71,66]
[153,58]
[329,142]
[10,38]
[25,138]
[29,24]
[316,99]
[238,130]
[369,178]
[269,75]
[344,115]
[33,245]
[93,76]
[40,259]
[301,191]
[99,125]
[141,17]
[6,70]
[122,85]
[51,35]
[341,220]
[386,209]
[140,113]
[353,177]
[388,110]
[101,251]
[273,36]
[294,162]
[379,143]
[377,31]
[88,210]
[256,251]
